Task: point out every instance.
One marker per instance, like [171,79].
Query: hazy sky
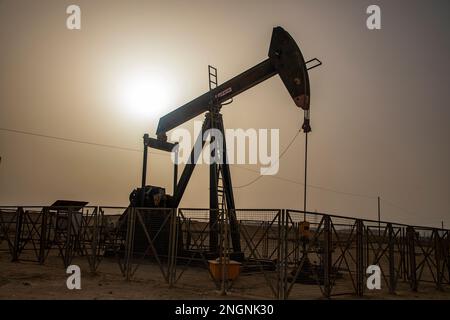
[380,103]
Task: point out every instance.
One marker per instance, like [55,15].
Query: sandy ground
[29,280]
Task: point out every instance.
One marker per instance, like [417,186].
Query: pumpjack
[284,59]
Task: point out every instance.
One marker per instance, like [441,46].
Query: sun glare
[145,95]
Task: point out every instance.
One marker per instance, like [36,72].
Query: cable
[306,171]
[383,200]
[294,181]
[310,185]
[76,141]
[238,167]
[398,207]
[279,158]
[152,152]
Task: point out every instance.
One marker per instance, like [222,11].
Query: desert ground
[29,280]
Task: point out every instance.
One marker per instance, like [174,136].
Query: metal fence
[32,233]
[267,253]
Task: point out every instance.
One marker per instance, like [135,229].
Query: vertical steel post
[226,220]
[228,190]
[447,253]
[175,170]
[306,172]
[391,257]
[43,236]
[129,241]
[282,262]
[296,228]
[327,258]
[173,243]
[285,258]
[280,255]
[278,269]
[213,193]
[360,270]
[265,241]
[18,233]
[68,246]
[367,232]
[94,244]
[412,258]
[178,228]
[437,257]
[222,253]
[403,254]
[144,170]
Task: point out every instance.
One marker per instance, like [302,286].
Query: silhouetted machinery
[286,60]
[156,220]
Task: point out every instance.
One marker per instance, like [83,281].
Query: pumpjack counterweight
[285,59]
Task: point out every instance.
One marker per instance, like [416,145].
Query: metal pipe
[175,170]
[327,258]
[144,170]
[392,276]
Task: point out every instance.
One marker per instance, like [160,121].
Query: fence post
[68,250]
[18,234]
[391,253]
[410,233]
[285,252]
[327,258]
[280,255]
[403,254]
[43,236]
[223,251]
[172,246]
[437,256]
[360,272]
[447,253]
[129,241]
[95,238]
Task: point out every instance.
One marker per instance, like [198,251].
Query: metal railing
[285,254]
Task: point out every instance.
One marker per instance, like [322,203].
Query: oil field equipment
[304,230]
[284,59]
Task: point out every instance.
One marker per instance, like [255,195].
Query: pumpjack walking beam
[286,60]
